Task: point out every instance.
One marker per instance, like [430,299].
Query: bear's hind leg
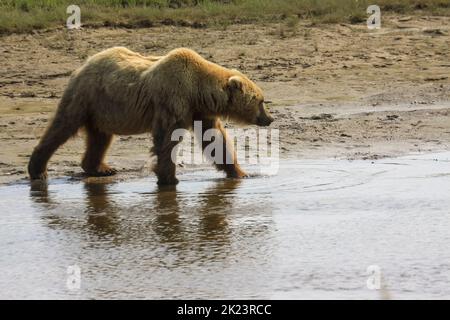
[59,131]
[97,144]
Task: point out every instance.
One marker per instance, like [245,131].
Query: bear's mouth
[264,121]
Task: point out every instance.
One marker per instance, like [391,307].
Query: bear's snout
[264,120]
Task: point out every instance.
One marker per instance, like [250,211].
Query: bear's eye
[252,100]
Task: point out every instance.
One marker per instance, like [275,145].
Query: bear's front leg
[229,162]
[165,166]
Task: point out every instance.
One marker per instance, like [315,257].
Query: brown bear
[120,92]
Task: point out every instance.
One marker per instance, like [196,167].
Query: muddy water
[311,231]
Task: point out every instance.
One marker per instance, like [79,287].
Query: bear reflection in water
[202,225]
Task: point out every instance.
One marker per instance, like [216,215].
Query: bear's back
[119,59]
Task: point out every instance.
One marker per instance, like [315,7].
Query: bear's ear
[235,83]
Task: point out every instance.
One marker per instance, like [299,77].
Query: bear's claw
[237,175]
[102,170]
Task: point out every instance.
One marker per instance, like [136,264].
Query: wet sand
[311,234]
[336,91]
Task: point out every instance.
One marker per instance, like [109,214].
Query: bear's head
[246,101]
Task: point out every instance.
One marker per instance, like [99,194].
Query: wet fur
[118,91]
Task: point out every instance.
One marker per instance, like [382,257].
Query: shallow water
[311,231]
